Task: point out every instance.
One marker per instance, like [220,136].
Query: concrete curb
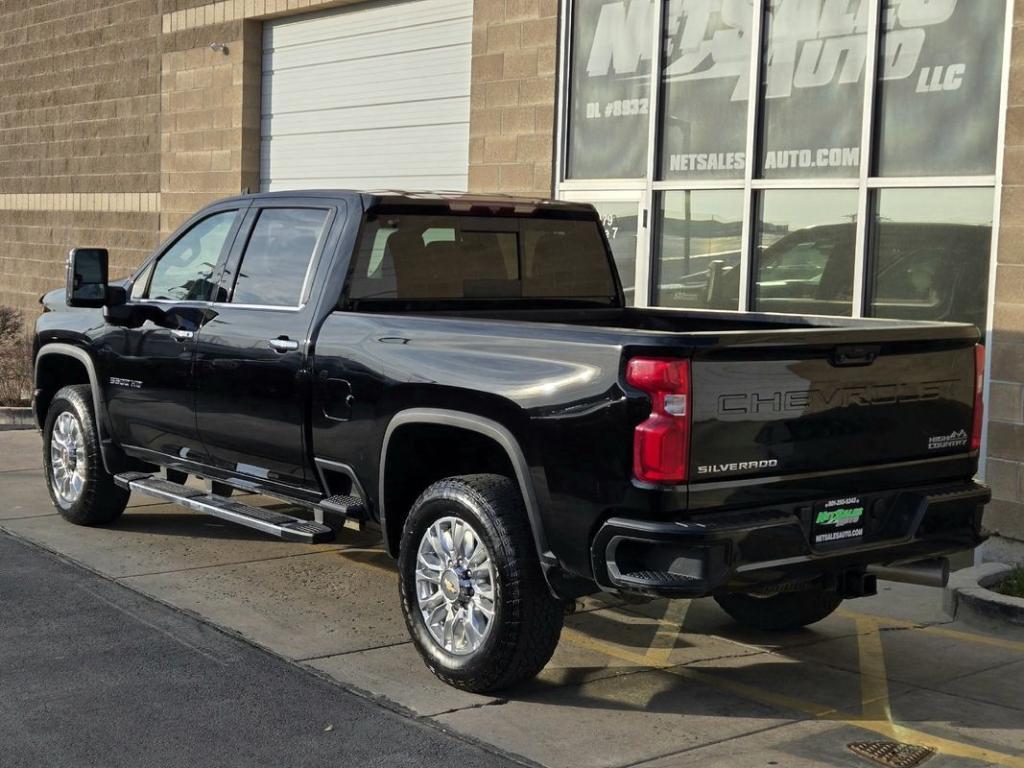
[968,599]
[16,418]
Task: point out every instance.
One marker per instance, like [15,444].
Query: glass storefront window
[805,245]
[609,90]
[698,249]
[819,161]
[705,88]
[812,89]
[939,87]
[621,226]
[930,254]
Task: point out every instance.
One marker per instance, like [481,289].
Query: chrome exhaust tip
[926,573]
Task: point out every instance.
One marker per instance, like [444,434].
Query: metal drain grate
[892,754]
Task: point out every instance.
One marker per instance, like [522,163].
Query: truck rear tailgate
[763,412]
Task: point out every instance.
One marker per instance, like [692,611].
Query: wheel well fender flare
[83,357]
[488,428]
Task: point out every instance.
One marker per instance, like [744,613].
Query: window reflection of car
[923,272]
[694,286]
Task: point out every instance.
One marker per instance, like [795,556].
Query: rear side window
[419,257]
[277,256]
[184,271]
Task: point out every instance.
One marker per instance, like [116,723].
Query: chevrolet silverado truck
[463,373]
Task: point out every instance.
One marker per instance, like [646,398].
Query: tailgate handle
[854,355]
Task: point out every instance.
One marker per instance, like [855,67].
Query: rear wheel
[786,610]
[80,488]
[474,598]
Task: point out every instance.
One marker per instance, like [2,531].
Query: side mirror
[87,277]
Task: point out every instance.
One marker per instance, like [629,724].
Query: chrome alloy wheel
[67,459]
[455,585]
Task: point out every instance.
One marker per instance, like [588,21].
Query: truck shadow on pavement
[185,524]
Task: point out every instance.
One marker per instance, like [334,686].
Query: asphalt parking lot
[655,684]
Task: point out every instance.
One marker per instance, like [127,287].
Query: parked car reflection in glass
[919,272]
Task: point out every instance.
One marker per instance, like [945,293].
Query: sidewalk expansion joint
[230,564]
[481,705]
[337,654]
[26,517]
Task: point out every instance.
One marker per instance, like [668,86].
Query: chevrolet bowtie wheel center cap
[455,585]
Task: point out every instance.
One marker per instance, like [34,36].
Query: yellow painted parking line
[941,631]
[874,684]
[876,709]
[669,627]
[876,715]
[771,698]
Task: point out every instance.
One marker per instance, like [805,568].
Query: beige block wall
[1005,460]
[117,121]
[79,147]
[512,112]
[209,127]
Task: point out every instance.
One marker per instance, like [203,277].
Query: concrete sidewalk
[658,684]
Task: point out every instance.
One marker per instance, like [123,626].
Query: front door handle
[284,345]
[180,334]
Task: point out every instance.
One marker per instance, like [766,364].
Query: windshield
[450,257]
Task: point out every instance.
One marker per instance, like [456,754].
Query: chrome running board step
[347,509]
[276,524]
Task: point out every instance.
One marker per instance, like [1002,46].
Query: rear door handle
[182,335]
[284,345]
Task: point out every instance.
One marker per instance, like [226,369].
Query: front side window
[421,257]
[185,271]
[277,256]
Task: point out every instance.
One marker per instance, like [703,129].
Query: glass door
[622,216]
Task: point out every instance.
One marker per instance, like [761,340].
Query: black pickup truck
[463,373]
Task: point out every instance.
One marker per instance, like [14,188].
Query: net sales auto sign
[939,66]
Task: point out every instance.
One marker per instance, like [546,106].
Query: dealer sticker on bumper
[839,521]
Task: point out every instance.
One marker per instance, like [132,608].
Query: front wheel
[475,601]
[80,488]
[786,610]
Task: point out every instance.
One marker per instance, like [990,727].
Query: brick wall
[512,112]
[1005,460]
[79,147]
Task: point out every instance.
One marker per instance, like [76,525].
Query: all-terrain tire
[527,619]
[786,610]
[97,500]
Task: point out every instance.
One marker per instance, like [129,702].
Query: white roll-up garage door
[375,96]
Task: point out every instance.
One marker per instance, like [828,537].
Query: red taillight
[661,444]
[979,399]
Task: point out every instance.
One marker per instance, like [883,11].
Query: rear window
[422,257]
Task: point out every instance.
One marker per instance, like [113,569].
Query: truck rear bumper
[742,550]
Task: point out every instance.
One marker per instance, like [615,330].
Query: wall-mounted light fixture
[219,47]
